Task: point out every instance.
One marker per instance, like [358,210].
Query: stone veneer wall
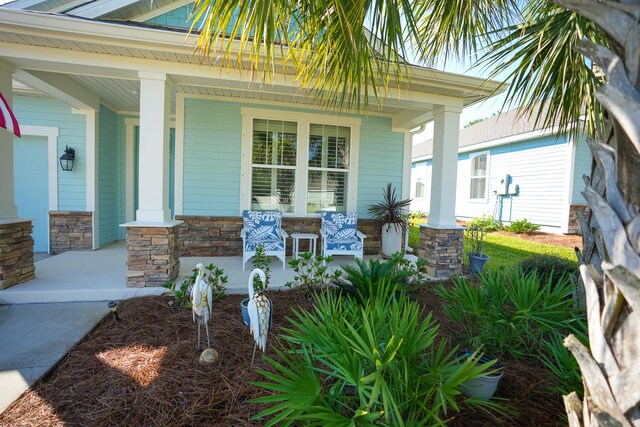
[16,253]
[443,250]
[153,257]
[574,224]
[70,231]
[220,235]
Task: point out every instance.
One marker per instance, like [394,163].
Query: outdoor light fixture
[67,159]
[113,306]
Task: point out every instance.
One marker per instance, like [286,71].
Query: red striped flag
[7,119]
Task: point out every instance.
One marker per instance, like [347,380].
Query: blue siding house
[511,169]
[170,148]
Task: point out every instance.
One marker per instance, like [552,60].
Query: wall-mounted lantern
[67,159]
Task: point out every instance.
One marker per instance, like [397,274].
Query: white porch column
[8,208]
[442,212]
[153,161]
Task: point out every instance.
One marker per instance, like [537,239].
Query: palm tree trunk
[610,259]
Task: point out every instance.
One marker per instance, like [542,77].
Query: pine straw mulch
[144,370]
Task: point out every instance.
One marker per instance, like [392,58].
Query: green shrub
[376,364]
[509,311]
[522,226]
[213,275]
[261,260]
[362,281]
[486,222]
[562,366]
[549,267]
[312,273]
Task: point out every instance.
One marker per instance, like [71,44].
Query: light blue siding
[121,183]
[31,186]
[35,111]
[107,178]
[213,133]
[381,161]
[537,166]
[212,162]
[178,17]
[581,166]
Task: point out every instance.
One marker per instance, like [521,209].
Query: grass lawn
[506,251]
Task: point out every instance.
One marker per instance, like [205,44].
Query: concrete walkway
[34,337]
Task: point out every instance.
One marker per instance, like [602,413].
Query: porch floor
[101,276]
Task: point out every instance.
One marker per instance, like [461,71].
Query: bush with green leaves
[311,273]
[549,267]
[376,364]
[509,311]
[522,226]
[486,222]
[362,281]
[212,274]
[562,366]
[417,270]
[261,260]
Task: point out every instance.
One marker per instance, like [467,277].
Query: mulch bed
[565,240]
[144,370]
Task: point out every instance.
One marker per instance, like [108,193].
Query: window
[273,165]
[328,168]
[419,189]
[478,187]
[298,163]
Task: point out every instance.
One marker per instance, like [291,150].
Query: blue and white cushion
[344,244]
[262,226]
[251,245]
[337,225]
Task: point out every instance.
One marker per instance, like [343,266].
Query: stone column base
[443,250]
[70,231]
[16,253]
[153,255]
[574,223]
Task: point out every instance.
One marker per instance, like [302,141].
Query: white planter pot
[391,240]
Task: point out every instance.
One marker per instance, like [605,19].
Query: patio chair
[340,236]
[263,228]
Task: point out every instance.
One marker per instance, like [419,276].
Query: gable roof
[502,129]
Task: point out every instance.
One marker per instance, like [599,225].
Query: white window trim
[484,199]
[420,180]
[303,121]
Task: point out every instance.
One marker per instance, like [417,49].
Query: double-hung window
[298,163]
[328,168]
[273,165]
[478,184]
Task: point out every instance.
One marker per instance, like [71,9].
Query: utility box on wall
[503,186]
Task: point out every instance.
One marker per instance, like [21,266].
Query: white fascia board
[98,8]
[161,10]
[497,142]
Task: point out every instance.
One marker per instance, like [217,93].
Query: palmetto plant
[376,364]
[346,52]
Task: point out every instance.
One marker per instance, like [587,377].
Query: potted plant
[482,387]
[392,213]
[477,259]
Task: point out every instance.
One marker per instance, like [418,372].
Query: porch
[101,276]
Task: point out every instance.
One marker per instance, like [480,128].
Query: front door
[31,186]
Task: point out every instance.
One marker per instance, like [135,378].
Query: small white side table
[300,236]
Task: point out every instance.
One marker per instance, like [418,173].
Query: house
[168,149]
[511,169]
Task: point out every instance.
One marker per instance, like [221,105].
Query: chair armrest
[360,235]
[243,234]
[284,234]
[323,234]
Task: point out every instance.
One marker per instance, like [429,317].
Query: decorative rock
[209,356]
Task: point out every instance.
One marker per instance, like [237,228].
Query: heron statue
[259,308]
[201,303]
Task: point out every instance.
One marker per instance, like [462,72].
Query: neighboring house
[169,148]
[511,169]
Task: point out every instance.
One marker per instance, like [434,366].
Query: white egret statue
[259,308]
[201,303]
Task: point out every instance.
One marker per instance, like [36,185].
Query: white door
[31,185]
